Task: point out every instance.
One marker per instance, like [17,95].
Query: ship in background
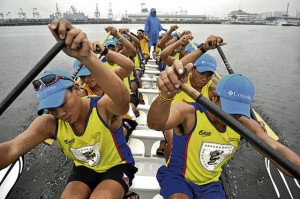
[72,14]
[180,16]
[174,17]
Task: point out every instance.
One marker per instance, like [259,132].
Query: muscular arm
[167,52]
[41,128]
[126,66]
[286,152]
[129,49]
[163,116]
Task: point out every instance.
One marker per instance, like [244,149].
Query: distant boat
[291,24]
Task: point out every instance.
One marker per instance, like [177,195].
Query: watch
[201,47]
[105,51]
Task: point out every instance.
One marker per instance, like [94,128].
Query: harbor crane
[57,13]
[287,10]
[97,12]
[110,13]
[22,14]
[1,15]
[35,13]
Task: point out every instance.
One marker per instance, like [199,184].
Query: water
[268,55]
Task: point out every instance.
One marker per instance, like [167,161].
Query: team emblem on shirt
[212,154]
[88,154]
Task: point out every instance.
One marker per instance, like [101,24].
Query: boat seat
[146,186]
[152,73]
[148,137]
[144,107]
[151,94]
[152,66]
[152,61]
[142,119]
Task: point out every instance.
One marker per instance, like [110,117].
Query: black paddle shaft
[249,136]
[31,75]
[230,71]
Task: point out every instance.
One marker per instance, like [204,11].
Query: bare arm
[283,150]
[163,41]
[129,48]
[193,56]
[161,116]
[41,128]
[109,81]
[125,65]
[169,50]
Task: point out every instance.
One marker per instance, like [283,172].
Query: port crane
[35,13]
[22,14]
[57,13]
[97,12]
[110,13]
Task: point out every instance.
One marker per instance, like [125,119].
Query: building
[167,17]
[241,16]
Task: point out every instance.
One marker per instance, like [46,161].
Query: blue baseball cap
[52,96]
[174,35]
[117,41]
[189,48]
[125,36]
[153,10]
[236,94]
[206,63]
[110,42]
[83,70]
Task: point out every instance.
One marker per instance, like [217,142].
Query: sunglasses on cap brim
[48,80]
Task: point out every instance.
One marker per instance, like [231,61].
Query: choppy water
[268,55]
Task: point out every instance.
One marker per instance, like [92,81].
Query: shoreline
[31,22]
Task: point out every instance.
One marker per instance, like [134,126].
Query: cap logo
[240,95]
[207,62]
[49,88]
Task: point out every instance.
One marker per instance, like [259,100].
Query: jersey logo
[204,133]
[88,154]
[213,154]
[69,141]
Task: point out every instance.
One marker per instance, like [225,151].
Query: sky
[217,8]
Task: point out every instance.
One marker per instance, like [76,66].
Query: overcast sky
[218,8]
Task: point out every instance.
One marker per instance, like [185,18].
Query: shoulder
[184,107]
[41,128]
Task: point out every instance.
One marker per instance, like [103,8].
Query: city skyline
[217,8]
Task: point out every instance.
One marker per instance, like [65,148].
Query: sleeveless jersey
[144,46]
[126,80]
[87,89]
[99,148]
[183,97]
[176,56]
[137,62]
[199,155]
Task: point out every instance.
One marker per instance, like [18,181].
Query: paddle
[243,131]
[15,92]
[230,71]
[97,49]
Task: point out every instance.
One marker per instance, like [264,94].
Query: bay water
[268,55]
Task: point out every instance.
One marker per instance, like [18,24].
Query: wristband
[165,99]
[105,51]
[201,47]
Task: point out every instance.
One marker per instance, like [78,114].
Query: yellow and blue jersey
[99,147]
[126,80]
[199,155]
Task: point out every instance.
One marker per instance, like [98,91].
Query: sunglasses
[48,80]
